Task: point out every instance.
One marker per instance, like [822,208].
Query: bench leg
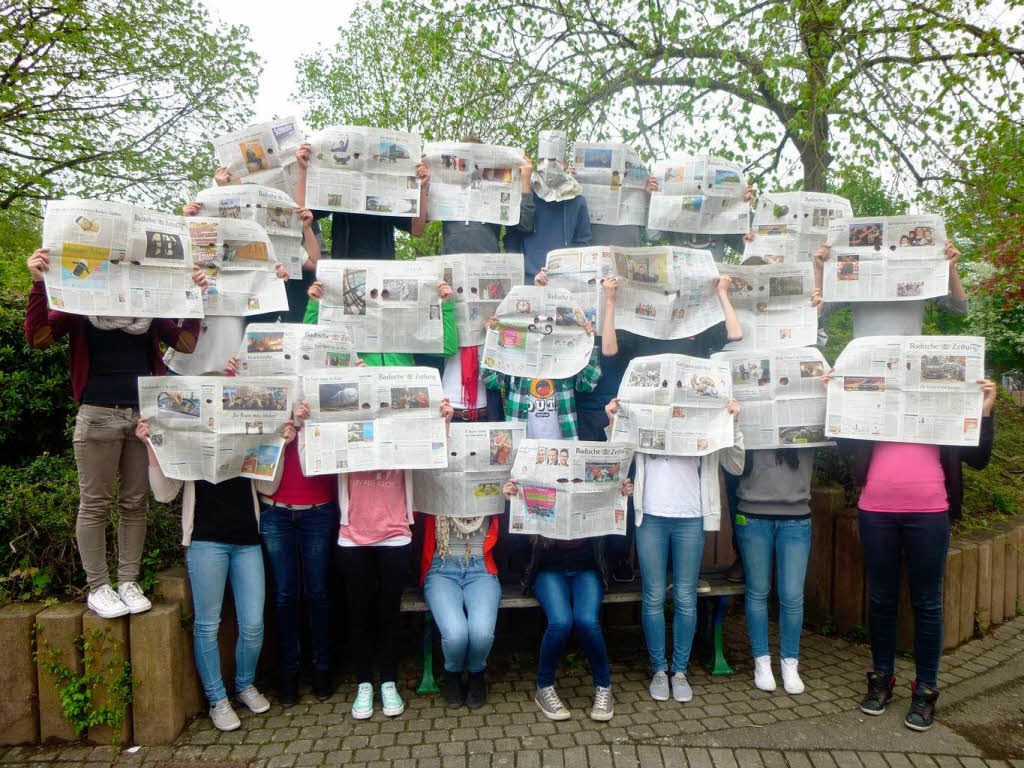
[427,684]
[718,664]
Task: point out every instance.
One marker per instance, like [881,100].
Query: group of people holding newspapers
[361,524]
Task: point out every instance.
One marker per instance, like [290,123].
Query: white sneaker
[681,690]
[131,595]
[790,677]
[223,716]
[105,603]
[254,700]
[659,686]
[763,677]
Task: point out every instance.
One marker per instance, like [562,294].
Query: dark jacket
[537,557]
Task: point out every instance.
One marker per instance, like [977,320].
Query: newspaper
[363,419]
[364,170]
[782,395]
[569,489]
[908,389]
[479,281]
[772,302]
[384,306]
[480,458]
[259,148]
[699,194]
[580,271]
[790,226]
[473,182]
[118,260]
[614,181]
[540,334]
[216,427]
[675,405]
[886,258]
[290,349]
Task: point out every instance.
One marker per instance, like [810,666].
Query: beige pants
[106,447]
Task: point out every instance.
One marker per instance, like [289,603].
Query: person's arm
[312,240]
[492,379]
[302,155]
[609,339]
[581,234]
[182,337]
[419,222]
[43,326]
[527,207]
[164,489]
[733,329]
[586,380]
[954,302]
[451,328]
[977,456]
[732,460]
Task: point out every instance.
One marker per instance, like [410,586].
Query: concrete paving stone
[972,762]
[551,758]
[503,759]
[715,723]
[424,750]
[798,760]
[281,761]
[872,759]
[528,759]
[309,759]
[723,758]
[947,761]
[821,759]
[697,757]
[772,758]
[599,756]
[453,761]
[450,748]
[921,761]
[477,761]
[846,758]
[298,746]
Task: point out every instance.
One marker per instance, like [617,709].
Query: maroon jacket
[45,326]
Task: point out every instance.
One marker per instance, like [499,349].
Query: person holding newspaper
[107,355]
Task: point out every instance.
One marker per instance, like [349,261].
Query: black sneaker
[879,692]
[454,692]
[922,707]
[323,685]
[288,692]
[623,572]
[734,575]
[476,693]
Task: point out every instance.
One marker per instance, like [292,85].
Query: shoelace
[551,700]
[878,691]
[132,591]
[603,699]
[107,595]
[920,707]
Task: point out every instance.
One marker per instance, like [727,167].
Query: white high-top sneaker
[790,677]
[763,677]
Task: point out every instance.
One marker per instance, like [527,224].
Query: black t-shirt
[361,236]
[612,371]
[704,344]
[224,512]
[116,360]
[576,555]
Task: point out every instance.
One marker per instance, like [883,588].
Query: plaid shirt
[517,393]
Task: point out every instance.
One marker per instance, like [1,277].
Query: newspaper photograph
[614,182]
[216,427]
[480,458]
[479,282]
[473,182]
[384,306]
[118,260]
[364,419]
[699,194]
[799,213]
[675,405]
[354,169]
[289,349]
[580,271]
[782,394]
[908,389]
[569,489]
[260,147]
[886,258]
[772,302]
[540,334]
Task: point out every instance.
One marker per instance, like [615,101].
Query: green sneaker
[362,707]
[391,702]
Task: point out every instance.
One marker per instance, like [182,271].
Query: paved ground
[728,725]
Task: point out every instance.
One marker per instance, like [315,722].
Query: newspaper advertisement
[772,302]
[118,260]
[363,419]
[540,333]
[569,489]
[364,170]
[699,194]
[474,182]
[580,271]
[908,389]
[479,282]
[886,258]
[259,148]
[480,458]
[290,349]
[782,394]
[614,181]
[384,306]
[675,405]
[216,427]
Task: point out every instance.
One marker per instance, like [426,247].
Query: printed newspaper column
[569,489]
[789,226]
[259,148]
[772,302]
[699,194]
[580,271]
[908,389]
[473,182]
[288,349]
[614,182]
[675,405]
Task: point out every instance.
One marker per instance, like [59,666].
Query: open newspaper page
[364,170]
[886,258]
[789,226]
[782,395]
[614,182]
[289,349]
[569,489]
[118,260]
[580,271]
[372,418]
[772,302]
[908,389]
[699,194]
[665,292]
[675,405]
[216,427]
[540,334]
[480,458]
[384,306]
[260,147]
[474,182]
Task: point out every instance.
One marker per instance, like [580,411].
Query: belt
[293,507]
[467,414]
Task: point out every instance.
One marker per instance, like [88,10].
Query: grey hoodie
[773,488]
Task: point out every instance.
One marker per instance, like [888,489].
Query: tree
[114,98]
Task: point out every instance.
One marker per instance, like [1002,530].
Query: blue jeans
[463,598]
[790,542]
[571,598]
[299,545]
[210,563]
[656,538]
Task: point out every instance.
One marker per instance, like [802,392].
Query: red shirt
[296,488]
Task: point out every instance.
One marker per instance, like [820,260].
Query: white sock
[790,677]
[763,677]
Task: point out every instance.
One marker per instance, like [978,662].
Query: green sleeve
[586,380]
[312,312]
[451,331]
[492,379]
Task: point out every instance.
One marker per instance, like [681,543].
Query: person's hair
[753,261]
[787,456]
[471,138]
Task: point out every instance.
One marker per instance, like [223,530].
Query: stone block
[59,627]
[818,583]
[173,586]
[848,573]
[998,577]
[158,709]
[108,639]
[19,705]
[1011,565]
[984,607]
[951,598]
[968,588]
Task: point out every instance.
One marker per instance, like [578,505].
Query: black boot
[879,692]
[454,692]
[476,696]
[922,707]
[288,691]
[323,684]
[734,574]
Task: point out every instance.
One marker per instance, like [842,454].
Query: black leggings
[374,578]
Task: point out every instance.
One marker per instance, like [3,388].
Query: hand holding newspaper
[614,182]
[259,148]
[473,182]
[772,302]
[908,389]
[289,349]
[699,194]
[789,226]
